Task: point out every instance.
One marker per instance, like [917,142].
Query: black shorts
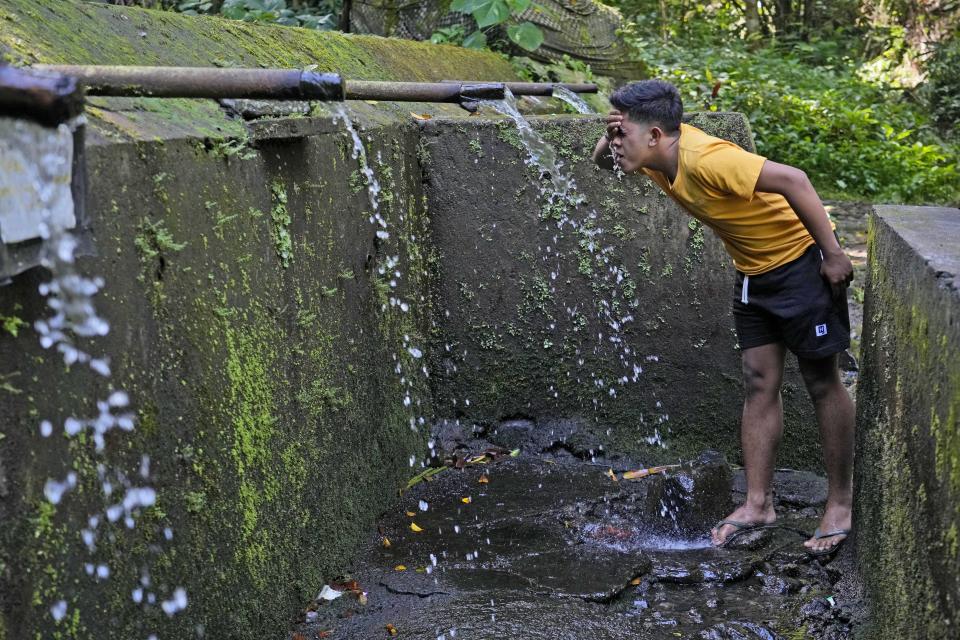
[792,304]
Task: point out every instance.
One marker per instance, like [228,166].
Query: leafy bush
[942,89]
[492,13]
[322,16]
[854,138]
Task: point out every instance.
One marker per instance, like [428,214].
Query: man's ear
[656,135]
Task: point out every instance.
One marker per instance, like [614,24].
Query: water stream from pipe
[74,321]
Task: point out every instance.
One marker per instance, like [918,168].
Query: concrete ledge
[907,515]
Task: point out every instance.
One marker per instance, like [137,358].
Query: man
[790,291]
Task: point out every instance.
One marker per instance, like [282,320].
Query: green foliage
[854,137]
[941,92]
[492,13]
[318,15]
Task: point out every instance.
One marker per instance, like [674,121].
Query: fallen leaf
[421,569]
[371,102]
[386,543]
[392,630]
[415,528]
[362,599]
[400,567]
[299,636]
[610,474]
[324,634]
[484,479]
[411,513]
[515,453]
[466,500]
[643,473]
[420,116]
[635,581]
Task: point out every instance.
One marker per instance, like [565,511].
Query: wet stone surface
[531,547]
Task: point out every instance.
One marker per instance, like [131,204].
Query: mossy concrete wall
[543,319]
[907,518]
[249,298]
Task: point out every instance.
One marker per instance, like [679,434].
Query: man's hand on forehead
[614,120]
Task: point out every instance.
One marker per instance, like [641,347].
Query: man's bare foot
[747,514]
[835,518]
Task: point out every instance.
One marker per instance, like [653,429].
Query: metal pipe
[424,91]
[542,88]
[204,82]
[546,88]
[46,98]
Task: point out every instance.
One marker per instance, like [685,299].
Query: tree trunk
[782,18]
[752,16]
[345,16]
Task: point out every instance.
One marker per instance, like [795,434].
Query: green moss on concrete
[908,493]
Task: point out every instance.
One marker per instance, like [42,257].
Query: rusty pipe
[459,91]
[543,88]
[203,82]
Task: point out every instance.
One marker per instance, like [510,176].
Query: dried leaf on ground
[610,474]
[643,473]
[400,567]
[415,528]
[392,630]
[483,479]
[466,500]
[421,116]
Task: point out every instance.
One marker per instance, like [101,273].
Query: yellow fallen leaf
[635,581]
[420,116]
[400,567]
[466,500]
[643,473]
[386,543]
[483,479]
[415,528]
[610,474]
[392,630]
[411,513]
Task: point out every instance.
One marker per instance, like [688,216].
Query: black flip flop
[741,528]
[829,551]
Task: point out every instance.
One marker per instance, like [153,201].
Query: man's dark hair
[653,101]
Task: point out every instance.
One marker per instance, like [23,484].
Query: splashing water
[614,314]
[406,367]
[572,98]
[74,319]
[540,154]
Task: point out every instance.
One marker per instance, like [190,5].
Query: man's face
[634,145]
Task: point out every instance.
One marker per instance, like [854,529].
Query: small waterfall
[572,98]
[408,368]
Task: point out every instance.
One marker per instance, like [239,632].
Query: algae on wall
[907,500]
[263,373]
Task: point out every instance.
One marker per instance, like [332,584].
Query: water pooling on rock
[73,322]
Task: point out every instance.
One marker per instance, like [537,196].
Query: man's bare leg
[835,417]
[760,434]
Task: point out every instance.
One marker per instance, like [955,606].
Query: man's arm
[601,153]
[793,184]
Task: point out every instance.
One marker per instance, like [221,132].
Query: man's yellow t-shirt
[715,182]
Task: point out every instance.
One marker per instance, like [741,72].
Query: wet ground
[548,545]
[532,547]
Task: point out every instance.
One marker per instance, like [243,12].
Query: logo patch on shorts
[821,330]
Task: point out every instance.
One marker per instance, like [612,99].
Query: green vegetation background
[864,95]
